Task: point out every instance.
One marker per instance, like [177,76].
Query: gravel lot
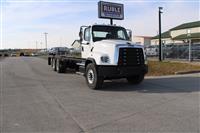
[34,99]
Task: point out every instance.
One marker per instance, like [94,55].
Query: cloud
[25,23]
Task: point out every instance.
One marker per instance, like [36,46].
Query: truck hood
[116,43]
[110,49]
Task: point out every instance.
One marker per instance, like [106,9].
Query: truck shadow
[156,85]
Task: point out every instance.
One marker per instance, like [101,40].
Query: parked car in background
[42,52]
[26,54]
[152,50]
[58,51]
[13,54]
[34,54]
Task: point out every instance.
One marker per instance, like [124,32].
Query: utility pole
[45,34]
[160,41]
[36,45]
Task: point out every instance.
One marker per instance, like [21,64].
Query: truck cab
[108,53]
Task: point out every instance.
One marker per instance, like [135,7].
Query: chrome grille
[131,57]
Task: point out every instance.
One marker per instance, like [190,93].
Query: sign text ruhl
[111,10]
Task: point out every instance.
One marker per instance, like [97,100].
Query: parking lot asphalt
[35,99]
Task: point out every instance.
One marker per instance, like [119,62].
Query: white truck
[106,53]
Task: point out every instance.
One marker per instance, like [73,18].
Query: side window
[87,34]
[120,34]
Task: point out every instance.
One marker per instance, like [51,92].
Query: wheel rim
[52,62]
[90,76]
[57,65]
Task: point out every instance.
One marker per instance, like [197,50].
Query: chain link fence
[175,51]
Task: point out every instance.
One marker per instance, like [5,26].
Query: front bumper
[121,71]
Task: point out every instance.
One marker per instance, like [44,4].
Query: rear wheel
[93,80]
[54,64]
[51,62]
[59,66]
[136,79]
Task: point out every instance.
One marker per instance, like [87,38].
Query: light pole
[160,41]
[189,43]
[45,34]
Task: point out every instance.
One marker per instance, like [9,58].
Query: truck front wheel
[136,79]
[93,80]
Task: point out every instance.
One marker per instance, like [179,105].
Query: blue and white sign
[111,10]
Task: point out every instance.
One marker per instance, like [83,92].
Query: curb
[187,72]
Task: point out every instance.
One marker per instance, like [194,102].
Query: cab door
[86,42]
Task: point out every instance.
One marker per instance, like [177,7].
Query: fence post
[189,50]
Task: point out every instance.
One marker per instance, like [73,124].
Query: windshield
[108,32]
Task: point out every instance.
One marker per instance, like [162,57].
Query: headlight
[104,59]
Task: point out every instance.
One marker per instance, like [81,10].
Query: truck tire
[49,61]
[54,64]
[93,80]
[59,67]
[135,79]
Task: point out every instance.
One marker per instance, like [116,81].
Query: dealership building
[180,34]
[142,40]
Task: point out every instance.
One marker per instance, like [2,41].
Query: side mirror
[129,32]
[81,36]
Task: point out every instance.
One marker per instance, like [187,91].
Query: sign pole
[111,21]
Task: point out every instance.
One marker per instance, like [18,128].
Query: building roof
[185,36]
[187,25]
[144,36]
[165,34]
[179,27]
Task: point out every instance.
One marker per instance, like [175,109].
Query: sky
[23,22]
